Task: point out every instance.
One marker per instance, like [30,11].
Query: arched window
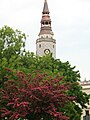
[39,45]
[46,23]
[43,23]
[50,23]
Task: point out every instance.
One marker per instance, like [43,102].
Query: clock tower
[46,44]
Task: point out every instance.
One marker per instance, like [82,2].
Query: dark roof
[45,8]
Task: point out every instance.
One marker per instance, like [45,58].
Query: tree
[54,67]
[12,43]
[34,97]
[14,56]
[12,46]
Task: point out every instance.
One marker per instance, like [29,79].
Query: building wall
[46,43]
[85,88]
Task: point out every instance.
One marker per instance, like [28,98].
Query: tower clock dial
[46,51]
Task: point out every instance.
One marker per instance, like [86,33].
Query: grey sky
[70,24]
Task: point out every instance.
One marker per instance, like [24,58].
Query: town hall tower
[46,44]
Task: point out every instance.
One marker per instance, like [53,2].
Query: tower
[46,44]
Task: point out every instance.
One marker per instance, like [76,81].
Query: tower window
[43,23]
[39,45]
[49,22]
[87,112]
[53,46]
[45,12]
[46,23]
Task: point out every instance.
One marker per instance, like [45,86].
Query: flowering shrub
[34,97]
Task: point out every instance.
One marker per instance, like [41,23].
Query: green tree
[12,44]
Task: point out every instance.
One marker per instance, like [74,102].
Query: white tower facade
[46,44]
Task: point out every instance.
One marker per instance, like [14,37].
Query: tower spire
[46,21]
[45,8]
[46,44]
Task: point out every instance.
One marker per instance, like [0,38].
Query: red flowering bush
[34,97]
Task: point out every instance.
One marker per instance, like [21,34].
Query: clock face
[46,51]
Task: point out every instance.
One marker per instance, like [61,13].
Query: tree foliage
[12,45]
[14,56]
[34,97]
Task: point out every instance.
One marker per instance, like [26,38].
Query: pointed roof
[45,8]
[45,21]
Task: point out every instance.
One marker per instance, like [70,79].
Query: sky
[70,24]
